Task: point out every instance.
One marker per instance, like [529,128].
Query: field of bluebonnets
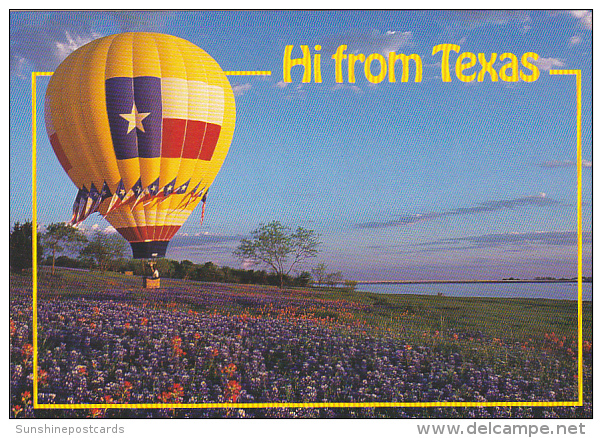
[104,339]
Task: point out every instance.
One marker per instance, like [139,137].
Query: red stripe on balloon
[58,150]
[193,139]
[166,232]
[137,234]
[131,234]
[195,132]
[173,137]
[173,229]
[210,141]
[158,232]
[169,231]
[144,232]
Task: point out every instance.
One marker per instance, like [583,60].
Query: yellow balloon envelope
[141,122]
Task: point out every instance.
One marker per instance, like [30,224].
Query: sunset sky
[403,181]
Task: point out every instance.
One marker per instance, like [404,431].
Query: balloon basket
[151,283]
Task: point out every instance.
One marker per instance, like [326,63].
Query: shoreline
[466,281]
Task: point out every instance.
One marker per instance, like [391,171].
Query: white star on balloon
[134,119]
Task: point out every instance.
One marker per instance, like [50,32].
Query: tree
[303,279]
[350,285]
[165,267]
[274,245]
[334,278]
[20,247]
[61,237]
[319,274]
[186,270]
[103,249]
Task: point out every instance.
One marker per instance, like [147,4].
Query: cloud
[540,200]
[297,92]
[370,42]
[547,238]
[248,264]
[548,63]
[203,244]
[555,164]
[239,90]
[281,84]
[138,21]
[339,87]
[202,239]
[90,230]
[584,17]
[109,230]
[44,45]
[473,19]
[575,40]
[43,48]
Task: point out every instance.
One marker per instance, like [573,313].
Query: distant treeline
[187,270]
[551,279]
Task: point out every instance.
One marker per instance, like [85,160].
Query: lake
[556,291]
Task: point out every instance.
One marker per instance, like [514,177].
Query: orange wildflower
[17,409]
[27,350]
[233,391]
[96,412]
[177,390]
[230,370]
[587,346]
[42,377]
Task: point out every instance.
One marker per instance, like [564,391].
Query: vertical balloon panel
[149,119]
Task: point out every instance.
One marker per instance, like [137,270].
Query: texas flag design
[151,117]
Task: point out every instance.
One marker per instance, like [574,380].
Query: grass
[512,339]
[511,319]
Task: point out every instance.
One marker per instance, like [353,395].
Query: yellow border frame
[37,405]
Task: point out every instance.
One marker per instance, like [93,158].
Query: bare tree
[319,274]
[334,278]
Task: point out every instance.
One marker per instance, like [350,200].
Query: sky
[403,181]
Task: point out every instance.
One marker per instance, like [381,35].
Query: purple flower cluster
[121,351]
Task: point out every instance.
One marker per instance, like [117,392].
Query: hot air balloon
[141,122]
